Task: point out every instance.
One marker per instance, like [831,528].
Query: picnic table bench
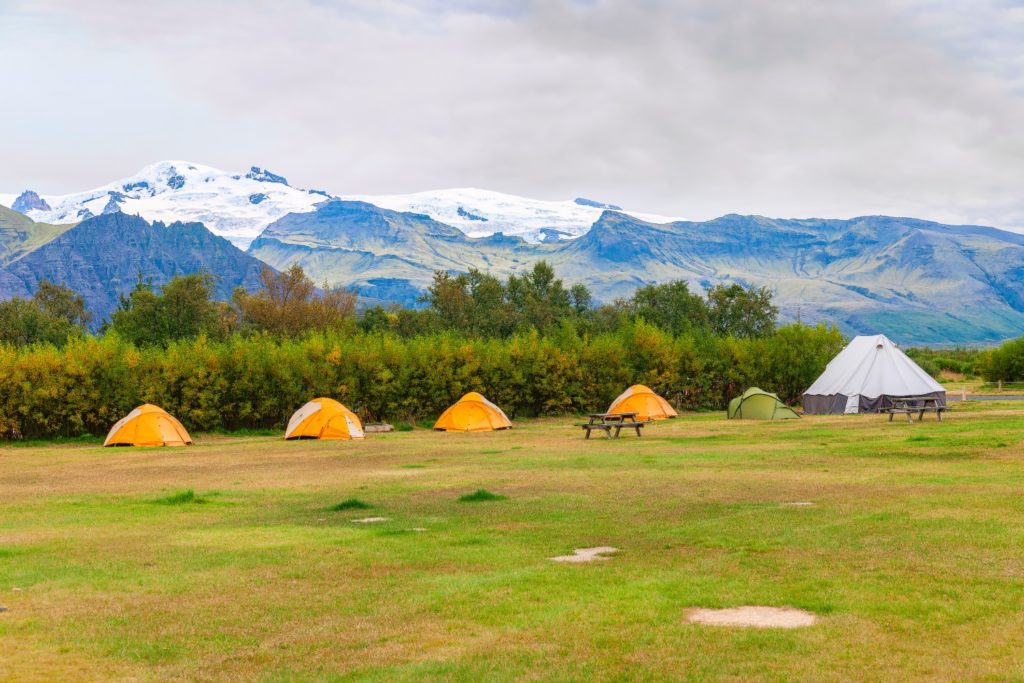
[607,422]
[908,405]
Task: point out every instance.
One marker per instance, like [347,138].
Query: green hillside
[19,234]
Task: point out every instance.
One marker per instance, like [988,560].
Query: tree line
[473,304]
[530,343]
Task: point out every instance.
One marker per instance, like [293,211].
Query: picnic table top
[606,415]
[915,399]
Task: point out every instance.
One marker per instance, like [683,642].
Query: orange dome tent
[324,418]
[644,402]
[148,425]
[472,413]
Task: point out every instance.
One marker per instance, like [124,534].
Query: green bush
[967,362]
[256,382]
[481,496]
[1005,363]
[350,504]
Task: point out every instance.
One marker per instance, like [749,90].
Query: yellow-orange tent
[645,403]
[324,418]
[148,425]
[472,413]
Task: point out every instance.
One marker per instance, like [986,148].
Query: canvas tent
[866,376]
[324,418]
[756,404]
[148,425]
[644,402]
[472,413]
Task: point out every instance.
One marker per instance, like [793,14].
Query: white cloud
[686,107]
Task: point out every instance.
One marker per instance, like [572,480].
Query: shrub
[1006,363]
[181,498]
[256,382]
[350,504]
[481,496]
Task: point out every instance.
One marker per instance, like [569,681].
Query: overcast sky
[693,108]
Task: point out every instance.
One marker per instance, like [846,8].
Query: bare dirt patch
[752,615]
[587,554]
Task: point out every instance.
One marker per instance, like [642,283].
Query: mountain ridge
[862,273]
[919,280]
[103,258]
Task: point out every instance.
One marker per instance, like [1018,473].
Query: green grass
[186,497]
[481,496]
[911,553]
[85,439]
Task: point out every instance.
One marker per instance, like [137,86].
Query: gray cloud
[686,107]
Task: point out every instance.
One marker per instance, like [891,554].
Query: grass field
[238,559]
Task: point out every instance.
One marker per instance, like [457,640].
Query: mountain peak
[264,176]
[233,205]
[479,213]
[583,201]
[101,259]
[29,201]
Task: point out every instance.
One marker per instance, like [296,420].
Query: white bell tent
[866,376]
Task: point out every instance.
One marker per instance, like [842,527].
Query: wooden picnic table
[908,405]
[607,422]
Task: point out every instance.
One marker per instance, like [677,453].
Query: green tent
[755,404]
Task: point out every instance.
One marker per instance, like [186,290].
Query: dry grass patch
[752,615]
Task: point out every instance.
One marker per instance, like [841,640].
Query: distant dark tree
[580,298]
[480,305]
[290,303]
[736,311]
[473,303]
[53,314]
[183,309]
[376,319]
[670,306]
[411,323]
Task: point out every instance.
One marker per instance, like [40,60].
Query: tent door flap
[852,405]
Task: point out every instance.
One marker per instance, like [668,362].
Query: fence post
[963,393]
[1000,385]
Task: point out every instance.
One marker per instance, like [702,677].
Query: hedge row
[257,382]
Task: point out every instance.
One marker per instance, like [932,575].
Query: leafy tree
[183,309]
[62,304]
[538,298]
[473,303]
[376,319]
[290,304]
[1005,363]
[53,314]
[581,299]
[478,304]
[670,306]
[735,311]
[449,297]
[790,359]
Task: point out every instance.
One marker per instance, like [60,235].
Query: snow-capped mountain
[480,213]
[237,206]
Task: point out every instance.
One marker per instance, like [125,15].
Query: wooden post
[963,393]
[1000,385]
